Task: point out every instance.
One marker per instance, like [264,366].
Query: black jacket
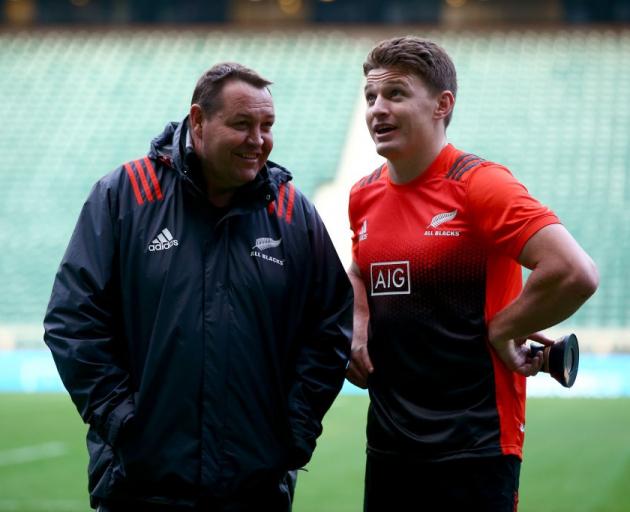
[202,347]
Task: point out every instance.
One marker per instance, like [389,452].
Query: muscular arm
[563,277]
[360,364]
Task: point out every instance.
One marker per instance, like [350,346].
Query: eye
[267,126]
[370,99]
[240,125]
[396,92]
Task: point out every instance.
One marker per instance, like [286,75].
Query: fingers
[518,357]
[356,377]
[362,356]
[360,366]
[535,365]
[531,365]
[539,337]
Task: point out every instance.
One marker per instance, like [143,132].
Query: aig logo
[390,278]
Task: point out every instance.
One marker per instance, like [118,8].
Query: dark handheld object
[561,359]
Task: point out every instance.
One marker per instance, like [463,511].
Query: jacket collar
[173,147]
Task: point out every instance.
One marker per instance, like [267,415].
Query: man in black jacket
[200,318]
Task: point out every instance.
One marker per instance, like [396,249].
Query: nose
[255,136]
[379,107]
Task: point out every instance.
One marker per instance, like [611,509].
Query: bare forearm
[563,277]
[547,299]
[361,314]
[360,364]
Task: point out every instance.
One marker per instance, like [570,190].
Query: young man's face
[235,141]
[400,112]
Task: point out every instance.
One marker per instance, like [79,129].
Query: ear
[196,121]
[445,105]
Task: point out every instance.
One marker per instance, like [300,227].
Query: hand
[360,364]
[516,355]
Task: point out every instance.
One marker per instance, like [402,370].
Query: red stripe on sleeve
[289,213]
[143,179]
[134,184]
[281,200]
[152,175]
[271,207]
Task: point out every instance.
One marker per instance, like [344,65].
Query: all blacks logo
[390,278]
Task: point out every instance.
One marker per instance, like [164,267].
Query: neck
[217,194]
[405,169]
[220,199]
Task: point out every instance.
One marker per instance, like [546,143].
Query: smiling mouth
[382,129]
[247,156]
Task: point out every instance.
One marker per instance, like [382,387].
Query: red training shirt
[438,259]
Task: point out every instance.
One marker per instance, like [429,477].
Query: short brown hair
[424,58]
[211,83]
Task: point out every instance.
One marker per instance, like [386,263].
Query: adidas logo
[363,231]
[163,241]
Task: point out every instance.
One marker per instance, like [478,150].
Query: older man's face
[236,140]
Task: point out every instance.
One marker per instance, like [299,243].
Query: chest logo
[163,241]
[262,244]
[363,231]
[266,243]
[438,220]
[390,278]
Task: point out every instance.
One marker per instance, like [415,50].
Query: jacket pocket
[100,464]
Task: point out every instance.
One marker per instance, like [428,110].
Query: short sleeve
[503,211]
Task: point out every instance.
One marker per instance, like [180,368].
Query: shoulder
[137,182]
[366,191]
[466,165]
[290,202]
[371,180]
[491,178]
[476,172]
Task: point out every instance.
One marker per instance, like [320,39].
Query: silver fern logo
[266,243]
[262,244]
[441,218]
[437,221]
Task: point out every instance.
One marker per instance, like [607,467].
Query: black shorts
[488,484]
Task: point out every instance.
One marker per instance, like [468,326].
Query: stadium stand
[553,106]
[77,104]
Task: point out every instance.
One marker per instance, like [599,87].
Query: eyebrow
[393,81]
[244,115]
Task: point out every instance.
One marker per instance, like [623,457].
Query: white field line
[32,453]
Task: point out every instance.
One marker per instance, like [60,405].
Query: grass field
[577,457]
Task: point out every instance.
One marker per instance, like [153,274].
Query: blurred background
[544,88]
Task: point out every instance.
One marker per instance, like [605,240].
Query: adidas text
[162,246]
[163,241]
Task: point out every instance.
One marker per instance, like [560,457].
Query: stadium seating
[553,106]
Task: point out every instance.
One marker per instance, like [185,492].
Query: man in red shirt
[441,317]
